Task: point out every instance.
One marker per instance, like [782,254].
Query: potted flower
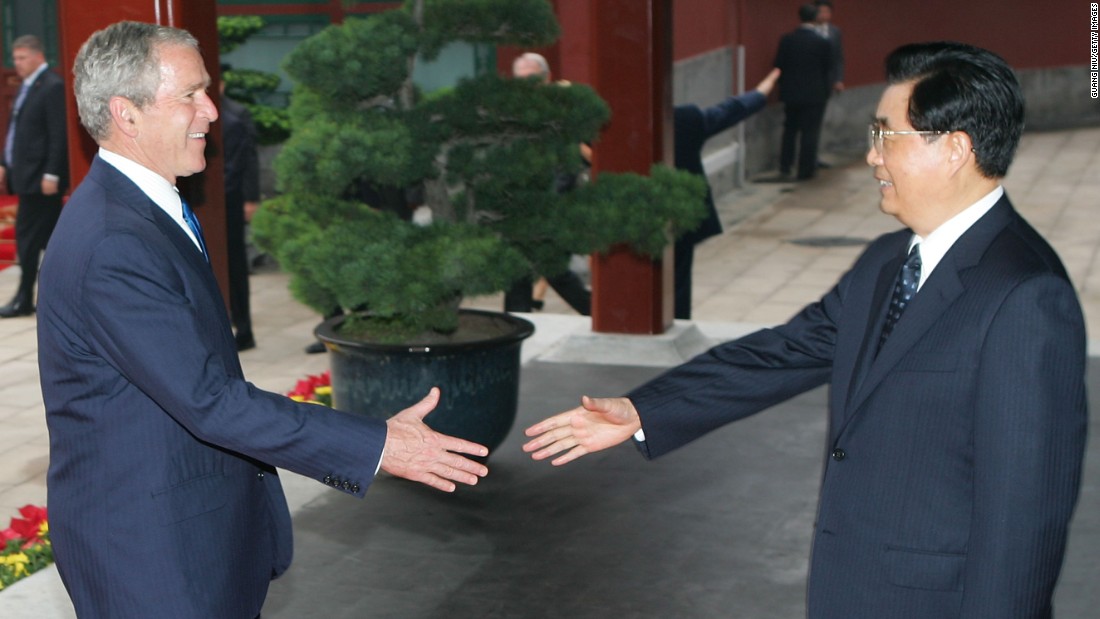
[483,155]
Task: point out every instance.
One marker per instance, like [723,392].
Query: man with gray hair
[163,492]
[35,165]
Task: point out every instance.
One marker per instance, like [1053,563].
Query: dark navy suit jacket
[162,493]
[40,145]
[954,455]
[692,127]
[806,58]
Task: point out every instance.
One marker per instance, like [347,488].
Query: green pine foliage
[248,85]
[487,154]
[235,29]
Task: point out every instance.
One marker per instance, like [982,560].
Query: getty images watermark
[1094,49]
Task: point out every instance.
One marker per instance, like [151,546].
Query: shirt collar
[936,246]
[33,76]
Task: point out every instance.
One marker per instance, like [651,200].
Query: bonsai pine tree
[485,154]
[248,85]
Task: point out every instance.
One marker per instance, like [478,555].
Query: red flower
[30,527]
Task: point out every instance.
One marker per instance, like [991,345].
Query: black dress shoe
[16,308]
[316,348]
[245,341]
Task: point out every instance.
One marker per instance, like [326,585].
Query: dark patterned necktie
[904,289]
[196,228]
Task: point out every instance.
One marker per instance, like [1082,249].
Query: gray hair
[29,41]
[122,60]
[539,60]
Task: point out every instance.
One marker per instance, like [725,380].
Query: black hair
[807,13]
[960,87]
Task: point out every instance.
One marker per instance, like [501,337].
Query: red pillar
[206,191]
[630,66]
[623,49]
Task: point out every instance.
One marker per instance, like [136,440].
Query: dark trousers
[683,256]
[237,254]
[802,123]
[568,285]
[34,223]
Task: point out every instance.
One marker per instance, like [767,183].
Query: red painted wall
[1028,34]
[700,26]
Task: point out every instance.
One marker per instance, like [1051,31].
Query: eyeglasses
[876,135]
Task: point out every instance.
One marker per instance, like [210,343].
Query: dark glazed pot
[478,376]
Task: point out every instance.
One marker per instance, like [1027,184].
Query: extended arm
[598,423]
[733,110]
[134,297]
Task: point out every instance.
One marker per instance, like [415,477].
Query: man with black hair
[955,353]
[805,59]
[242,197]
[828,30]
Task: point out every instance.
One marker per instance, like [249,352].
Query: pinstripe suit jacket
[954,455]
[162,493]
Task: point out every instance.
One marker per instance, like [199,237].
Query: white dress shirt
[159,190]
[935,247]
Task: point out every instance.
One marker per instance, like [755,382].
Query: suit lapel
[130,194]
[876,316]
[937,294]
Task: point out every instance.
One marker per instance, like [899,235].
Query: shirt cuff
[51,177]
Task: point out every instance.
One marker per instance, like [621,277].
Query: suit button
[839,454]
[260,474]
[346,485]
[355,488]
[327,480]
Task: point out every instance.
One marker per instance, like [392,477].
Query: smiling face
[910,169]
[169,135]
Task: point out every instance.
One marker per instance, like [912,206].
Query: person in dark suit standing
[163,492]
[242,196]
[805,58]
[831,33]
[36,163]
[955,353]
[692,127]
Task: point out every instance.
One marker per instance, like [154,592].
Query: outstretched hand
[768,83]
[598,423]
[418,453]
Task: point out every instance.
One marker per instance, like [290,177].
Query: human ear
[124,114]
[960,148]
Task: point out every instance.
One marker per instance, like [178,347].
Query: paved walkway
[785,245]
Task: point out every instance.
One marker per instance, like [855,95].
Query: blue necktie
[196,228]
[904,289]
[9,141]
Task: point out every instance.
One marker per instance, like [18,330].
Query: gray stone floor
[718,529]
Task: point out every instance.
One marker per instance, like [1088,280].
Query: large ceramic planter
[478,375]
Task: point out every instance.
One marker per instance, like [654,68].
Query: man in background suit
[36,164]
[242,197]
[955,353]
[805,58]
[692,127]
[163,493]
[829,31]
[524,295]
